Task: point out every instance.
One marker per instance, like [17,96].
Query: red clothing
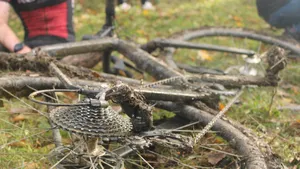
[45,21]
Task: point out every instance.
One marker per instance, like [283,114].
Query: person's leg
[143,1]
[286,16]
[121,2]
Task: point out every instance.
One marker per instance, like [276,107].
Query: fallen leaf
[122,73]
[221,106]
[31,165]
[236,18]
[219,140]
[71,95]
[215,158]
[18,118]
[145,12]
[95,74]
[295,89]
[21,143]
[296,124]
[37,143]
[239,24]
[204,55]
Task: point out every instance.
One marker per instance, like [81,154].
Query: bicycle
[116,92]
[155,70]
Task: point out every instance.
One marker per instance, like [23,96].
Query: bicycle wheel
[227,61]
[133,151]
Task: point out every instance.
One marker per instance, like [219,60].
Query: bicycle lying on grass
[99,136]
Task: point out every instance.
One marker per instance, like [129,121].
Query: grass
[279,128]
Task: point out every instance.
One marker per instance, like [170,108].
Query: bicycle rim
[227,62]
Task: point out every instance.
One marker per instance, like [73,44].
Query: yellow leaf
[204,55]
[239,24]
[236,18]
[145,12]
[218,140]
[221,106]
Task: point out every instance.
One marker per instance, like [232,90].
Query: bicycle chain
[91,121]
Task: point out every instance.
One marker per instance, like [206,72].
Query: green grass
[280,128]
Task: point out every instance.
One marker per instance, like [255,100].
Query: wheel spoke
[63,158]
[144,160]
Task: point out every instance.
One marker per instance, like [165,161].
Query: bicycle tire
[207,32]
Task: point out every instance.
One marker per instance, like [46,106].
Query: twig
[220,151]
[42,113]
[61,76]
[272,100]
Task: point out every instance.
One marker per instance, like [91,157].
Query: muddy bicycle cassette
[91,121]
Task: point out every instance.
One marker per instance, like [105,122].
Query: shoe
[124,6]
[148,6]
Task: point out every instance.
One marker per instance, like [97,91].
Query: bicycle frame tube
[110,13]
[109,21]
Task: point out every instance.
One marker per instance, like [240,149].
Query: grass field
[281,129]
